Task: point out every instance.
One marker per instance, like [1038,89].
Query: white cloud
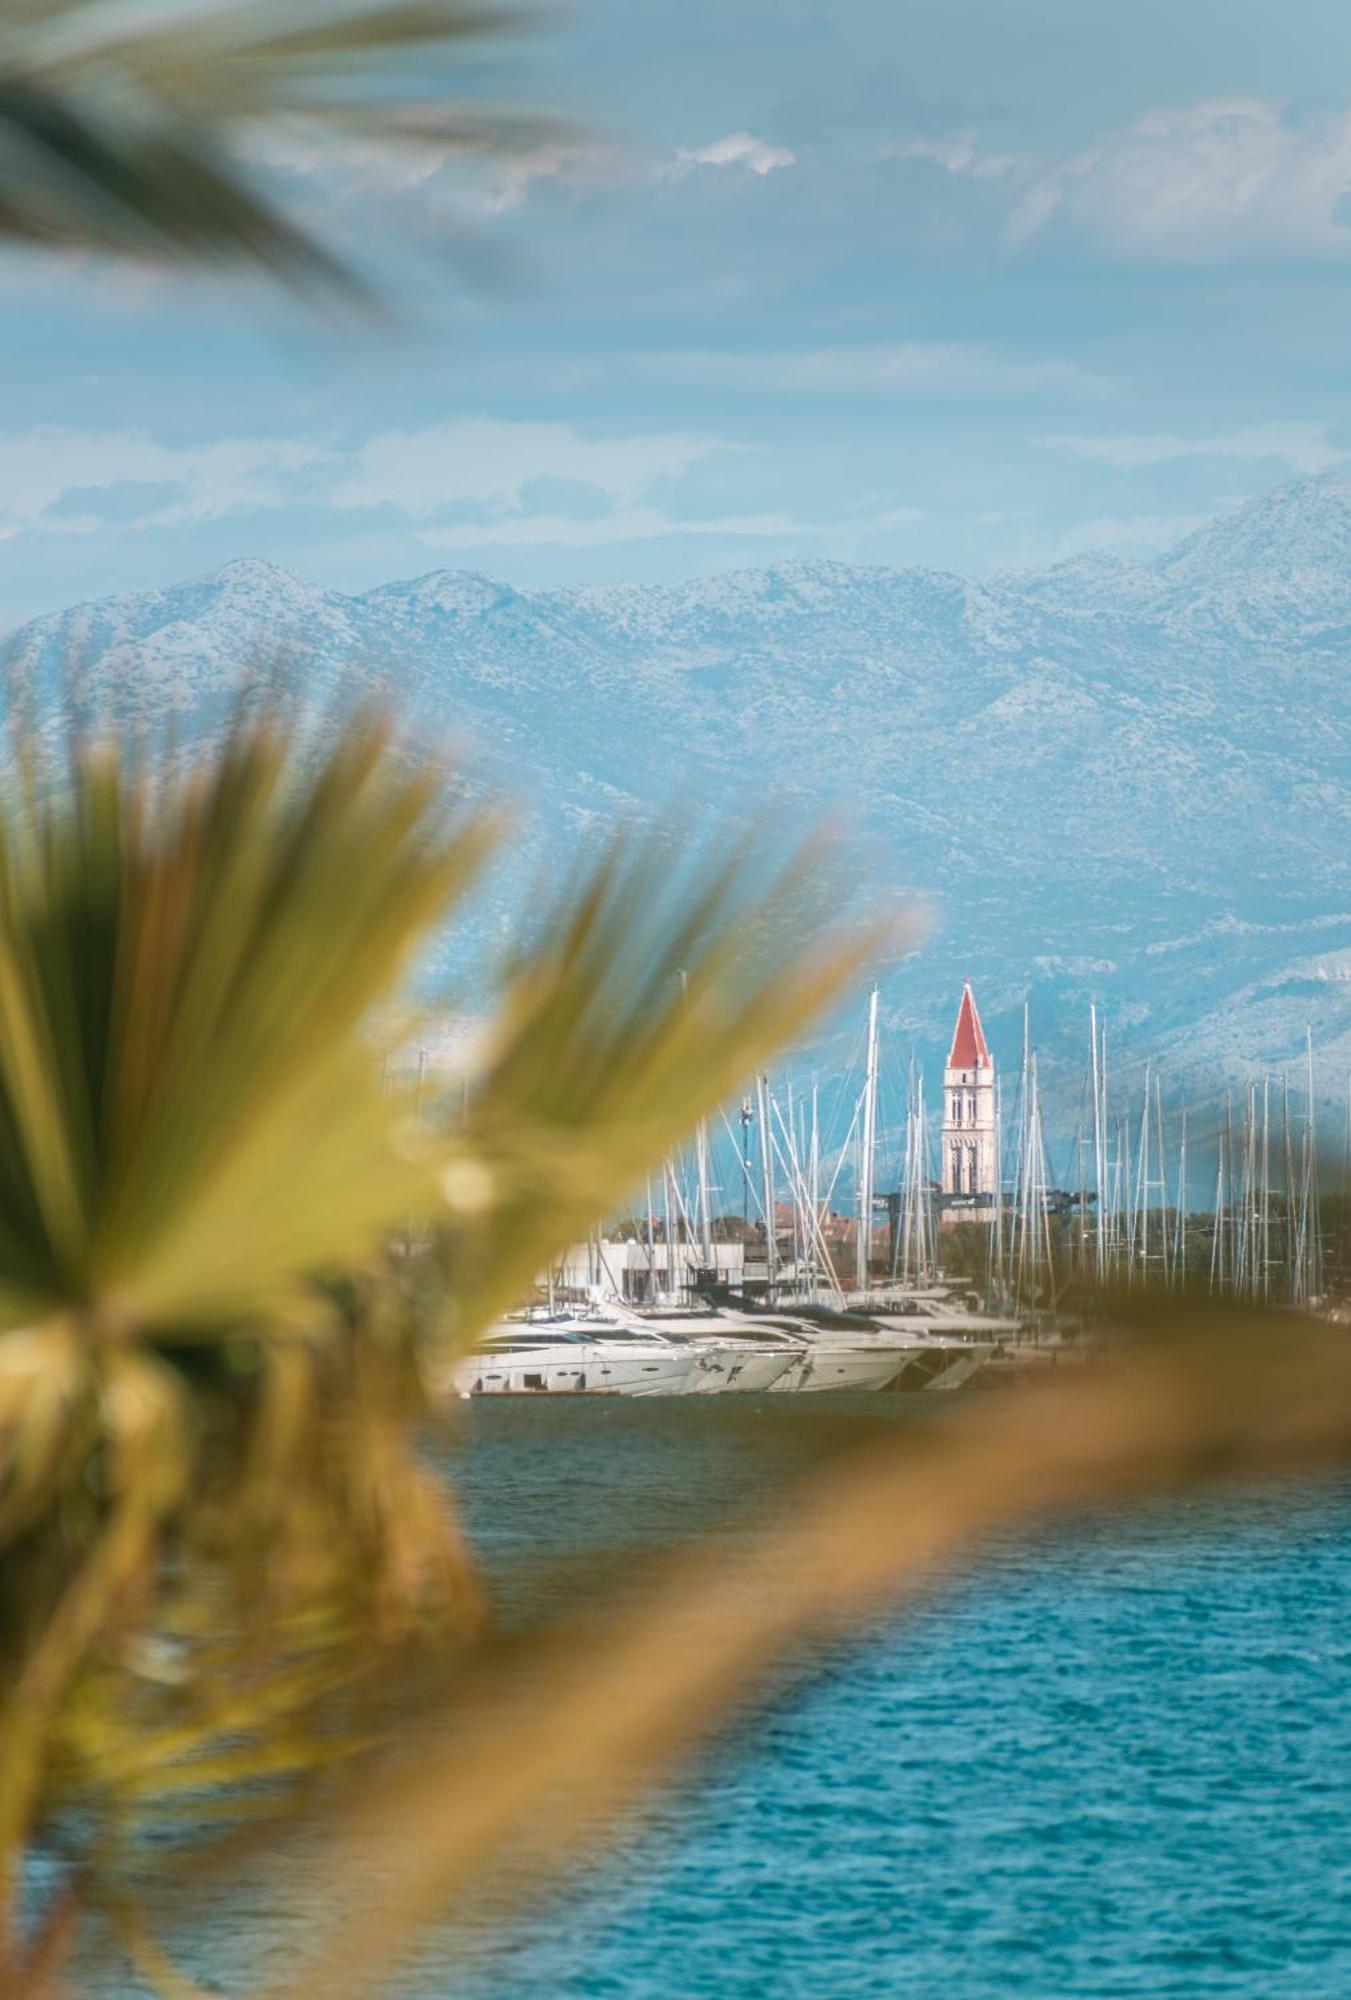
[648,521]
[905,368]
[629,524]
[1303,446]
[516,481]
[1133,535]
[738,149]
[1226,178]
[958,154]
[512,178]
[75,482]
[490,463]
[439,180]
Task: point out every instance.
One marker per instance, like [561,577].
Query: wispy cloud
[472,481]
[512,178]
[1305,447]
[626,524]
[1223,179]
[493,464]
[904,368]
[1129,535]
[738,149]
[959,153]
[73,482]
[1236,177]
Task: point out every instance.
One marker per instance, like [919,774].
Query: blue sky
[977,286]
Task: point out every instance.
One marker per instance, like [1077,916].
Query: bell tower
[970,1137]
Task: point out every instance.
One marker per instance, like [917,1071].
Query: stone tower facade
[970,1133]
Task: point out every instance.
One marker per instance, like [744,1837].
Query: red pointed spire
[969,1049]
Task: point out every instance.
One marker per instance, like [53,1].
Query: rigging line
[835,1110]
[747,1174]
[844,1151]
[793,1168]
[797,1185]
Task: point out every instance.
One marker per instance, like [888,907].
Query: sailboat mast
[814,1189]
[1218,1272]
[1180,1228]
[705,1194]
[1099,1160]
[668,1228]
[867,1149]
[1265,1238]
[767,1172]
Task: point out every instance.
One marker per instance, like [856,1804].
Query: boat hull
[584,1372]
[738,1371]
[839,1369]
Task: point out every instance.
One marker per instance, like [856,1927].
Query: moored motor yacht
[563,1354]
[951,1341]
[837,1357]
[734,1355]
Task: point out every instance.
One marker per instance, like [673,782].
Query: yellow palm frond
[661,987]
[521,1790]
[184,972]
[217,1535]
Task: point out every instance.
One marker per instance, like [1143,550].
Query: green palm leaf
[136,139]
[216,1535]
[662,986]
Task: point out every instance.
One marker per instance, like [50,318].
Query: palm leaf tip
[142,140]
[657,987]
[187,986]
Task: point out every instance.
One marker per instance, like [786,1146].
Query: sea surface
[1109,1761]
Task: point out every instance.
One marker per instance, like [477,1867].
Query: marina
[935,1279]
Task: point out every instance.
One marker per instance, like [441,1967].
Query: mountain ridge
[1088,768]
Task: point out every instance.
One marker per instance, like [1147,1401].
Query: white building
[970,1133]
[639,1272]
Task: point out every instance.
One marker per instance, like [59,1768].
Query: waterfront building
[639,1270]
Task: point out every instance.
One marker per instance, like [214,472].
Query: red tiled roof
[969,1050]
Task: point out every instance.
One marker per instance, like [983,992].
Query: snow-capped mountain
[1113,780]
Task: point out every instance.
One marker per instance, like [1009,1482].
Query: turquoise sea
[1113,1763]
[1109,1763]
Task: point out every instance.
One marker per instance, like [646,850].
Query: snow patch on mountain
[1116,781]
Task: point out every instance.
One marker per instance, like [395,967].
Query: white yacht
[588,1354]
[852,1356]
[733,1355]
[952,1342]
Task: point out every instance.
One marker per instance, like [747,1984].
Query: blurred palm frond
[184,968]
[224,1206]
[139,136]
[200,1165]
[645,1005]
